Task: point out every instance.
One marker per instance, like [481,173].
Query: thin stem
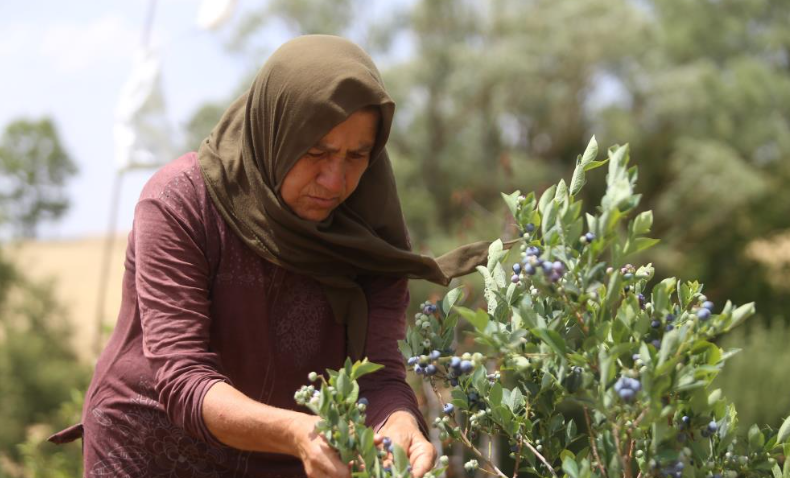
[592,442]
[468,443]
[623,461]
[541,458]
[518,460]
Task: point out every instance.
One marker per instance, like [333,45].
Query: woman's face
[330,171]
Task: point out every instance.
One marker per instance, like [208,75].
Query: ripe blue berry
[529,228]
[547,266]
[448,409]
[589,236]
[708,305]
[529,269]
[713,426]
[559,267]
[418,369]
[670,317]
[455,363]
[387,442]
[514,278]
[533,251]
[703,314]
[435,355]
[685,421]
[516,268]
[656,343]
[363,401]
[655,324]
[453,382]
[467,366]
[669,327]
[430,370]
[413,360]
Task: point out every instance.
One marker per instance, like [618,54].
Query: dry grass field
[74,267]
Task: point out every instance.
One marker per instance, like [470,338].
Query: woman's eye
[315,154]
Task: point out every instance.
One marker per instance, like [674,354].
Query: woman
[278,249]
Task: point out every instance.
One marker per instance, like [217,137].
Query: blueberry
[628,276]
[418,369]
[670,317]
[454,382]
[435,355]
[656,343]
[713,426]
[703,314]
[708,305]
[529,269]
[627,288]
[529,228]
[669,327]
[589,236]
[547,266]
[559,267]
[641,298]
[685,421]
[635,357]
[514,278]
[467,366]
[430,370]
[533,251]
[655,324]
[516,268]
[448,409]
[554,276]
[387,442]
[413,360]
[363,401]
[627,394]
[455,363]
[473,397]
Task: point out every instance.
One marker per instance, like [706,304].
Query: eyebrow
[363,148]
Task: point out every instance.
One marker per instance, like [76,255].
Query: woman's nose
[332,176]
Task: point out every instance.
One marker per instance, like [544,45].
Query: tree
[34,168]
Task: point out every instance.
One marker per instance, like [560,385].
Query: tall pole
[104,274]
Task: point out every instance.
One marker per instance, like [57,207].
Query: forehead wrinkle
[323,145]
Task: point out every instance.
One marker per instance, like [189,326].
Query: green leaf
[552,339]
[344,386]
[363,368]
[784,432]
[512,202]
[478,319]
[740,314]
[495,395]
[643,222]
[401,461]
[570,467]
[578,180]
[546,198]
[451,298]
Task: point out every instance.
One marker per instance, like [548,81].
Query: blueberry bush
[571,326]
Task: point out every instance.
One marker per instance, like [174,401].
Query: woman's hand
[402,429]
[320,460]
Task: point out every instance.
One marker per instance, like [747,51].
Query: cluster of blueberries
[532,263]
[627,388]
[673,470]
[704,312]
[426,365]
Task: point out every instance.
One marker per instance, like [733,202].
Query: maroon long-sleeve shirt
[200,307]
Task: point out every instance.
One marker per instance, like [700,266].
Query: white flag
[213,13]
[143,136]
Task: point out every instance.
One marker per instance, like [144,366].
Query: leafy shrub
[575,325]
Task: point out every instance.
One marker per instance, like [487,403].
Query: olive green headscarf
[307,87]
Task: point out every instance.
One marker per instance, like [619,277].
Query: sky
[69,61]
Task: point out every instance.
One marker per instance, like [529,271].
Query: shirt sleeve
[386,389]
[172,277]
